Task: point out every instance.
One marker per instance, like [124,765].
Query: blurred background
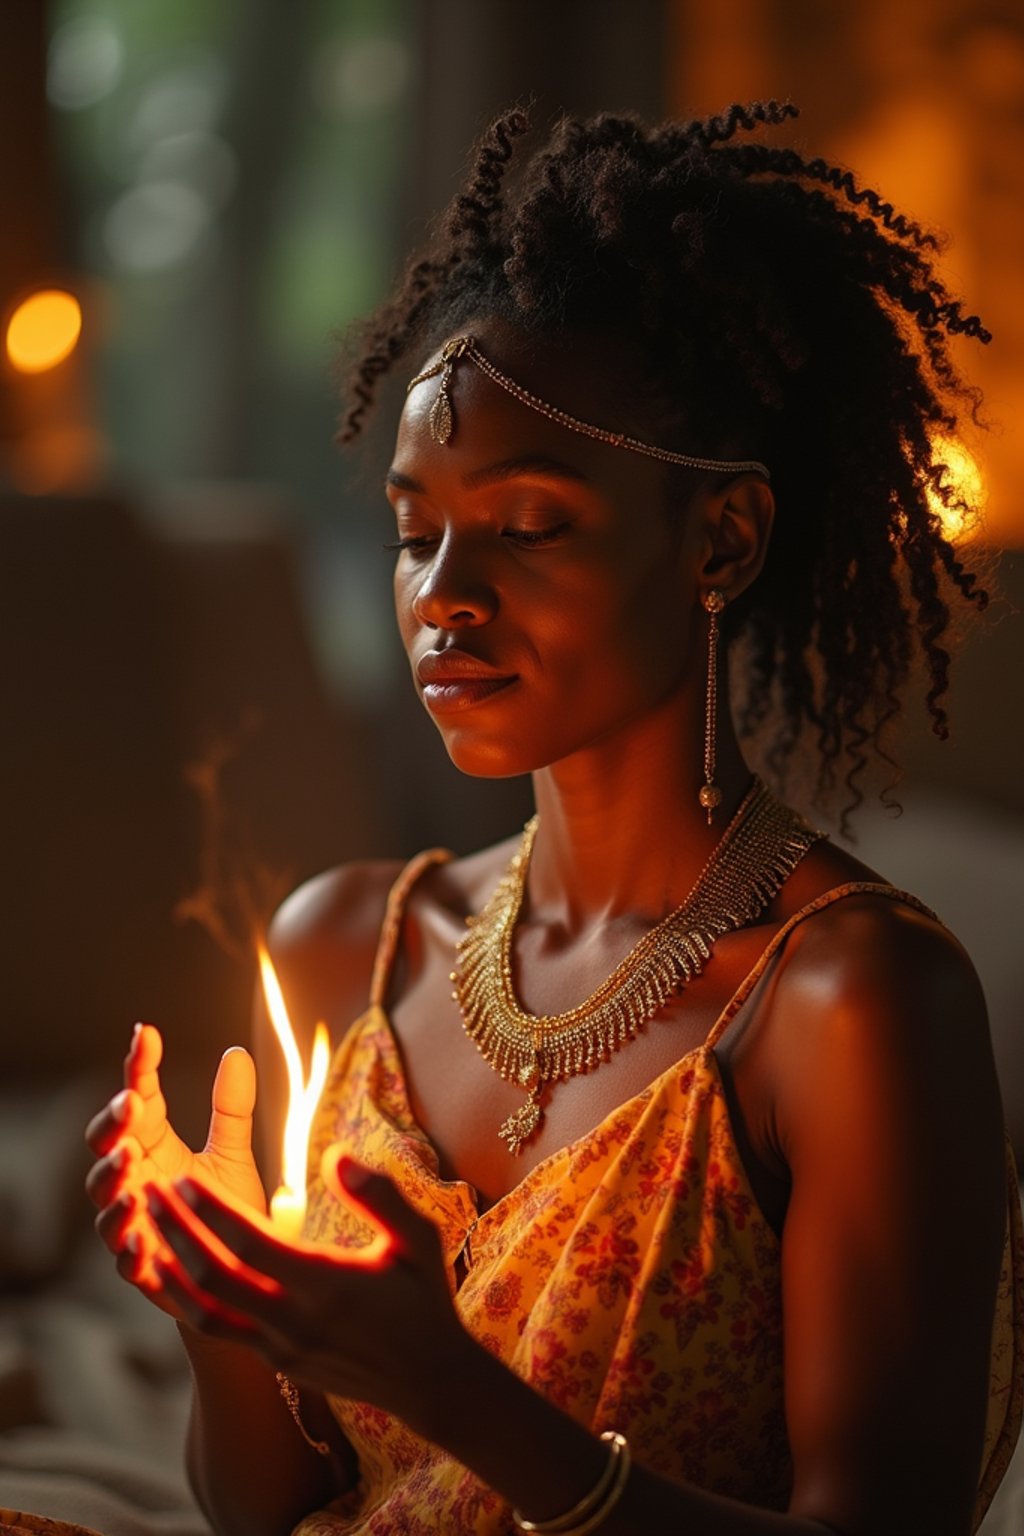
[200,674]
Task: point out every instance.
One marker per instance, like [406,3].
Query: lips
[441,697]
[455,666]
[454,679]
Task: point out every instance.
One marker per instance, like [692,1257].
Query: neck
[621,830]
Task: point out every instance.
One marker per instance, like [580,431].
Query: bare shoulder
[824,866]
[873,944]
[870,948]
[323,937]
[872,985]
[338,903]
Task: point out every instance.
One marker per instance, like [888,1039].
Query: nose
[453,591]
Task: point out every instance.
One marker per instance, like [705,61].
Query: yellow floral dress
[630,1277]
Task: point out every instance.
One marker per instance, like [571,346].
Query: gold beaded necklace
[761,846]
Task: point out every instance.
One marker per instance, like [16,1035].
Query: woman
[671,1192]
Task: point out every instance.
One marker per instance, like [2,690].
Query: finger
[142,1078]
[234,1098]
[120,1170]
[247,1234]
[139,1255]
[145,1054]
[114,1222]
[107,1176]
[127,1264]
[251,1239]
[206,1314]
[210,1263]
[109,1125]
[402,1229]
[127,1231]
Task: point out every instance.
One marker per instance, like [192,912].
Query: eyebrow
[491,474]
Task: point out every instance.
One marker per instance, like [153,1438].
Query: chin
[495,759]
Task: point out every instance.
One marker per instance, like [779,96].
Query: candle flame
[289,1201]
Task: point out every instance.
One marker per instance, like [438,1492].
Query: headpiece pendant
[442,414]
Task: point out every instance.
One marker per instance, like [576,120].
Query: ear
[737,525]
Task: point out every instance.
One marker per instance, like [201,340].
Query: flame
[43,330]
[288,1205]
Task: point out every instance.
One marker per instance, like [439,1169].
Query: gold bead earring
[710,795]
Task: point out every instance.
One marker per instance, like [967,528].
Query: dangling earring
[710,794]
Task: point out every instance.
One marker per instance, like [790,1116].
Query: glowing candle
[288,1202]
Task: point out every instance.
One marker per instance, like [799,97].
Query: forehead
[590,377]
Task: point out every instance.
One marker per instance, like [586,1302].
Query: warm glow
[288,1203]
[43,330]
[964,477]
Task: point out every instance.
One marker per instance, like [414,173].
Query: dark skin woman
[683,290]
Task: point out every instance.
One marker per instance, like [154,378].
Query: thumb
[379,1198]
[234,1097]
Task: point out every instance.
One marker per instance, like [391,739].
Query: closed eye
[528,538]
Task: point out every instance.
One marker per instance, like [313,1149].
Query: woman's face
[544,595]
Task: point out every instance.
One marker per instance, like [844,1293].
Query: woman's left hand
[377,1324]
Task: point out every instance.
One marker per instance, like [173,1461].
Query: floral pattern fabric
[630,1278]
[15,1522]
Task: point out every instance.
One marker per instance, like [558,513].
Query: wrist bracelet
[598,1504]
[290,1392]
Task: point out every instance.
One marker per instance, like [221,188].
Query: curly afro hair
[780,311]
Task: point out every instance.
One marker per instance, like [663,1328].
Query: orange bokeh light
[963,476]
[43,330]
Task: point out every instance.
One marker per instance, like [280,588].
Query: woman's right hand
[135,1144]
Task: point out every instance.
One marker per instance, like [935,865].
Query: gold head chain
[442,414]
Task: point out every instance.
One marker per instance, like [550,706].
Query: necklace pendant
[759,849]
[528,1075]
[516,1131]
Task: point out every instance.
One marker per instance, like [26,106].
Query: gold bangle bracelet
[290,1392]
[564,1525]
[598,1504]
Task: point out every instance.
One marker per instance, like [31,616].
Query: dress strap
[851,888]
[391,927]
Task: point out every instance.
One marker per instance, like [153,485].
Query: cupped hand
[375,1324]
[136,1145]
